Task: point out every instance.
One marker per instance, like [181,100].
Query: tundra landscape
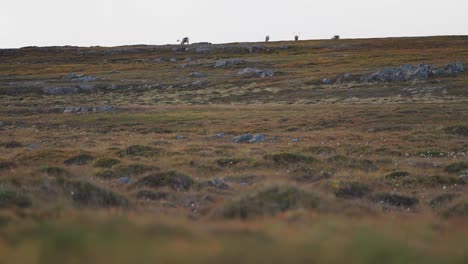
[314,151]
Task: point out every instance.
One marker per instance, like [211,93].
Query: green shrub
[394,199]
[230,162]
[87,194]
[352,190]
[443,199]
[396,175]
[457,167]
[457,130]
[106,163]
[286,158]
[10,199]
[269,202]
[81,159]
[176,181]
[140,151]
[56,171]
[126,171]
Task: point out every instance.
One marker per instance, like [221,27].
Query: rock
[234,49]
[424,90]
[327,81]
[228,62]
[60,90]
[112,87]
[197,75]
[202,47]
[257,72]
[242,180]
[125,180]
[173,60]
[197,83]
[249,138]
[85,109]
[87,87]
[242,138]
[454,68]
[158,60]
[257,138]
[404,73]
[180,137]
[257,48]
[33,146]
[219,135]
[216,183]
[86,79]
[347,77]
[296,140]
[179,49]
[146,86]
[72,76]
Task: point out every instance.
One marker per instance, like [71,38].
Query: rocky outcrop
[85,109]
[228,62]
[249,138]
[254,72]
[197,75]
[60,90]
[403,73]
[74,77]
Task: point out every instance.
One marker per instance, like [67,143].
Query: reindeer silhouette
[185,41]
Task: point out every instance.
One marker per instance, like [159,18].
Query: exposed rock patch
[228,62]
[249,138]
[403,73]
[254,72]
[85,109]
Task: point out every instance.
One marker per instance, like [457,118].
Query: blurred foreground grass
[298,237]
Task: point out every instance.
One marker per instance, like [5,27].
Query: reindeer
[185,41]
[296,36]
[336,37]
[267,38]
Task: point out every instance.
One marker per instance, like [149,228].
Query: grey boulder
[249,138]
[228,62]
[257,72]
[60,90]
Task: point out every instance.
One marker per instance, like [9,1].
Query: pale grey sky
[125,22]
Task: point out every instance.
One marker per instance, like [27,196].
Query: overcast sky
[126,22]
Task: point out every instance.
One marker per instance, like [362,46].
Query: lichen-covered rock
[228,62]
[257,72]
[249,138]
[60,90]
